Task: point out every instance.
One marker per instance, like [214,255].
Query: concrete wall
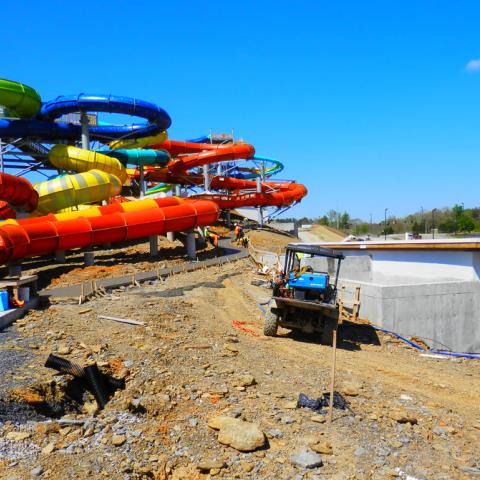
[445,315]
[434,295]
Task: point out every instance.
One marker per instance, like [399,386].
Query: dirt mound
[269,241]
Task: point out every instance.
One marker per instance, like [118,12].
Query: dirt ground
[269,241]
[202,354]
[321,233]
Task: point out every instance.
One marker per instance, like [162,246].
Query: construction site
[156,323]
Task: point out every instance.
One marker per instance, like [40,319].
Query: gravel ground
[202,382]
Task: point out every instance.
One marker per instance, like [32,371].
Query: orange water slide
[189,155]
[115,223]
[273,194]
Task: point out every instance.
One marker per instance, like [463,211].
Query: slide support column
[191,247]
[85,131]
[153,245]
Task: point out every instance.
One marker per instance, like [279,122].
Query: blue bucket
[3,301]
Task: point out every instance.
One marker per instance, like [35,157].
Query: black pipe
[97,383]
[66,366]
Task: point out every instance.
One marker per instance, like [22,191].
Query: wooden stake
[332,383]
[82,294]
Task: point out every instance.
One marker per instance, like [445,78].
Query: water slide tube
[139,156]
[141,142]
[277,194]
[158,118]
[17,192]
[42,237]
[100,177]
[43,126]
[273,194]
[19,99]
[248,173]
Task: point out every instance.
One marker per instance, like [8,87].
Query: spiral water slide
[97,225]
[242,193]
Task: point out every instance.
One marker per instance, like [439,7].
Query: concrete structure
[424,288]
[289,227]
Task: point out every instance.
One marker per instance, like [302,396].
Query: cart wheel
[270,325]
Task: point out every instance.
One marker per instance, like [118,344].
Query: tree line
[452,220]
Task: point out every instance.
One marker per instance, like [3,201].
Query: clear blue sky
[371,104]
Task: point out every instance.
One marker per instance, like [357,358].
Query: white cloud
[473,66]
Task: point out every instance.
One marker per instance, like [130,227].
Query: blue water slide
[45,128]
[157,117]
[203,139]
[39,129]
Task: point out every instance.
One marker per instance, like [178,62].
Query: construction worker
[237,231]
[278,282]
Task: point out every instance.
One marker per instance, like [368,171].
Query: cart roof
[314,250]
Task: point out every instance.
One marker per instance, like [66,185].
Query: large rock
[243,436]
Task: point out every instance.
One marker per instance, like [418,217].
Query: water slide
[190,155]
[129,221]
[97,225]
[102,173]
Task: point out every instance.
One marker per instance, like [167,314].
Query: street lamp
[385,225]
[423,221]
[433,223]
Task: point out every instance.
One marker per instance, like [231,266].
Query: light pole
[423,221]
[385,224]
[433,223]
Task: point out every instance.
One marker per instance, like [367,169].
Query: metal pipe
[142,181]
[85,131]
[206,179]
[1,156]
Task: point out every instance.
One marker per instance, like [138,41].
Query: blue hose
[412,344]
[418,347]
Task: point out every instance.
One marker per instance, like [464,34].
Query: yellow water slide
[100,177]
[142,142]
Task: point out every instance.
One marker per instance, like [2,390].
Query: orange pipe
[44,237]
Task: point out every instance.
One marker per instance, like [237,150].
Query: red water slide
[16,192]
[43,235]
[189,155]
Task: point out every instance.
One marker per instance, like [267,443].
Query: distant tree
[363,228]
[417,228]
[344,221]
[333,217]
[323,221]
[466,223]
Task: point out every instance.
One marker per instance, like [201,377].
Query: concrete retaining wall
[432,296]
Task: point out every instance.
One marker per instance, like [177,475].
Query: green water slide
[19,100]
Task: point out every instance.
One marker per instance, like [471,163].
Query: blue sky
[371,104]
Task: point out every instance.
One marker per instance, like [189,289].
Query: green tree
[344,221]
[466,223]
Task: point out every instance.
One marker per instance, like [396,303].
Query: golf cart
[305,299]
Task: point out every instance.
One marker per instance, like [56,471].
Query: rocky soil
[208,396]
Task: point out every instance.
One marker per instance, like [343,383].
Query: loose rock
[306,459]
